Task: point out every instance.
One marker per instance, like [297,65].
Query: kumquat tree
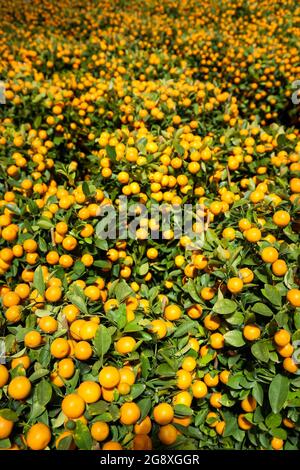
[149,225]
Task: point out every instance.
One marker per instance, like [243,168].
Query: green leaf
[44,392]
[234,338]
[273,420]
[137,390]
[278,392]
[122,291]
[36,411]
[145,365]
[9,414]
[225,306]
[5,444]
[98,408]
[38,374]
[111,152]
[164,370]
[82,436]
[184,328]
[143,269]
[145,407]
[231,423]
[102,342]
[182,410]
[65,443]
[262,309]
[191,289]
[260,351]
[279,433]
[79,302]
[119,316]
[44,224]
[38,280]
[272,294]
[258,393]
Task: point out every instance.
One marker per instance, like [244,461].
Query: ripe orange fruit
[53,294]
[224,376]
[69,243]
[89,391]
[220,427]
[129,413]
[112,445]
[24,361]
[207,293]
[11,299]
[59,348]
[212,322]
[243,423]
[159,327]
[38,436]
[249,404]
[6,427]
[73,406]
[235,285]
[66,368]
[281,218]
[269,254]
[251,332]
[253,235]
[109,377]
[183,379]
[83,351]
[100,431]
[211,380]
[167,434]
[48,324]
[92,292]
[88,330]
[127,375]
[108,394]
[217,341]
[163,413]
[289,365]
[75,328]
[172,312]
[246,275]
[19,388]
[71,312]
[125,345]
[285,351]
[13,314]
[199,389]
[32,339]
[144,427]
[30,246]
[23,290]
[279,268]
[282,337]
[293,297]
[288,423]
[189,363]
[195,311]
[276,443]
[215,400]
[142,442]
